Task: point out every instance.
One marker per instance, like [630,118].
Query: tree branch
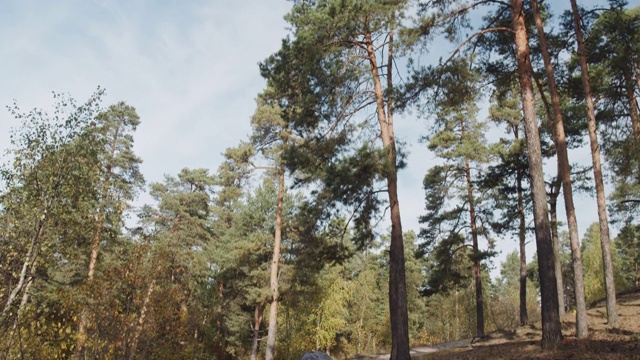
[478,33]
[635,201]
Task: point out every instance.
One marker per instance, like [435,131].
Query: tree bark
[273,309]
[397,283]
[31,254]
[522,236]
[636,70]
[221,343]
[551,330]
[25,293]
[95,247]
[140,325]
[633,104]
[365,297]
[476,252]
[257,319]
[553,210]
[553,215]
[612,315]
[564,172]
[184,311]
[23,303]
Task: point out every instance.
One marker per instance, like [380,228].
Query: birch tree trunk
[23,303]
[31,253]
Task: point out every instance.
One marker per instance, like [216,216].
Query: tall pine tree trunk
[95,246]
[275,261]
[612,315]
[522,237]
[140,325]
[553,216]
[553,209]
[397,283]
[221,340]
[558,265]
[476,252]
[551,330]
[636,70]
[365,297]
[633,104]
[564,172]
[257,319]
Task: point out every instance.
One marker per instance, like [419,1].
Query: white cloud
[190,69]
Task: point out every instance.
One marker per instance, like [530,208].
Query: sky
[190,68]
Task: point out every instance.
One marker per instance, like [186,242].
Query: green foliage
[612,41]
[185,281]
[454,202]
[52,194]
[593,270]
[323,80]
[46,206]
[628,243]
[369,314]
[451,315]
[118,181]
[507,177]
[505,296]
[115,127]
[177,232]
[345,311]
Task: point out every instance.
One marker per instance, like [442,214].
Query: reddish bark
[612,315]
[397,283]
[551,329]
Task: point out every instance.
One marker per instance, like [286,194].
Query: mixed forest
[295,241]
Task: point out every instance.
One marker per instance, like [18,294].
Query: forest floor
[524,343]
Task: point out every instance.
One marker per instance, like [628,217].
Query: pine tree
[270,136]
[460,142]
[611,45]
[591,247]
[332,70]
[551,331]
[612,314]
[628,243]
[120,178]
[508,180]
[564,173]
[179,232]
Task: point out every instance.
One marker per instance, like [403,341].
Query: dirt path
[418,352]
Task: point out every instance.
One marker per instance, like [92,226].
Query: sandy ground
[418,352]
[524,343]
